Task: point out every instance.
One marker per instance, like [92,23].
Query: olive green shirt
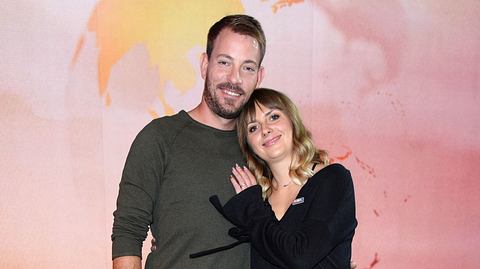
[174,165]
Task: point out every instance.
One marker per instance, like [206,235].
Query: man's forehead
[255,44]
[227,42]
[228,34]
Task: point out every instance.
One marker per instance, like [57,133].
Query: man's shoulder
[164,128]
[168,124]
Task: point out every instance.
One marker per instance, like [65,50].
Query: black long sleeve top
[316,230]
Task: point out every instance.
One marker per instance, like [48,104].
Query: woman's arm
[329,221]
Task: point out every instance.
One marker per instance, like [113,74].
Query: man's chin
[228,113]
[225,108]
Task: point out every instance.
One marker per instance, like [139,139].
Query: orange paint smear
[153,113]
[345,156]
[284,3]
[108,100]
[78,49]
[165,30]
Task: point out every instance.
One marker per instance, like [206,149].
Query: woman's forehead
[260,109]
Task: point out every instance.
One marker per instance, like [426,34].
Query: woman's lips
[271,141]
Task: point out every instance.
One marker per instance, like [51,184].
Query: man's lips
[271,141]
[231,93]
[231,89]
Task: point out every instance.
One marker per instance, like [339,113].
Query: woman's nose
[266,130]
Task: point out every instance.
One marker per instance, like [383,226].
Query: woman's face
[270,134]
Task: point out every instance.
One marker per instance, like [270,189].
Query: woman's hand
[242,178]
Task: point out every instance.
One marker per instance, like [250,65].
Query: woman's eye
[274,117]
[252,129]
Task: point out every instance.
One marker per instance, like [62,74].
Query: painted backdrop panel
[390,88]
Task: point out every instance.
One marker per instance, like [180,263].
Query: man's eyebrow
[250,62]
[225,56]
[231,59]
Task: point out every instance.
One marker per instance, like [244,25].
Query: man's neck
[204,115]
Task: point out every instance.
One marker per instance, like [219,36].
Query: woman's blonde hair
[304,151]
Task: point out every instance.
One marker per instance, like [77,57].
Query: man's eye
[250,69]
[223,62]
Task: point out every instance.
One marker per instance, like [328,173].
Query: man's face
[231,74]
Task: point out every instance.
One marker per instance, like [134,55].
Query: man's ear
[203,65]
[261,74]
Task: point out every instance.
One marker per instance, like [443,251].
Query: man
[177,162]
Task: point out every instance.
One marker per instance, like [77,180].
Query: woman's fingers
[246,175]
[240,176]
[235,184]
[243,176]
[250,177]
[237,175]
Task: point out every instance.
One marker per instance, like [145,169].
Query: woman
[301,214]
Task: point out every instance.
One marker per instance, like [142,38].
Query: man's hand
[127,262]
[153,247]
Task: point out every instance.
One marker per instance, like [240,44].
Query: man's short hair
[240,24]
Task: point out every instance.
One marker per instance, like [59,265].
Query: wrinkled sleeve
[136,198]
[330,221]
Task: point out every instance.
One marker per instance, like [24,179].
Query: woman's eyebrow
[253,120]
[269,112]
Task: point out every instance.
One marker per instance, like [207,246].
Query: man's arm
[127,262]
[136,198]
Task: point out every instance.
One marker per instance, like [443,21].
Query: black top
[315,232]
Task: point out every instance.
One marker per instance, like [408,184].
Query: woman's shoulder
[335,168]
[335,172]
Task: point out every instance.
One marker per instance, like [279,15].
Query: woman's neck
[281,172]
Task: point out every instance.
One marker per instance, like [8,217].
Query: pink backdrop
[390,88]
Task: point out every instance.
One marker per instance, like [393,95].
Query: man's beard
[214,104]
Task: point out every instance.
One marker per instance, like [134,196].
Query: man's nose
[234,76]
